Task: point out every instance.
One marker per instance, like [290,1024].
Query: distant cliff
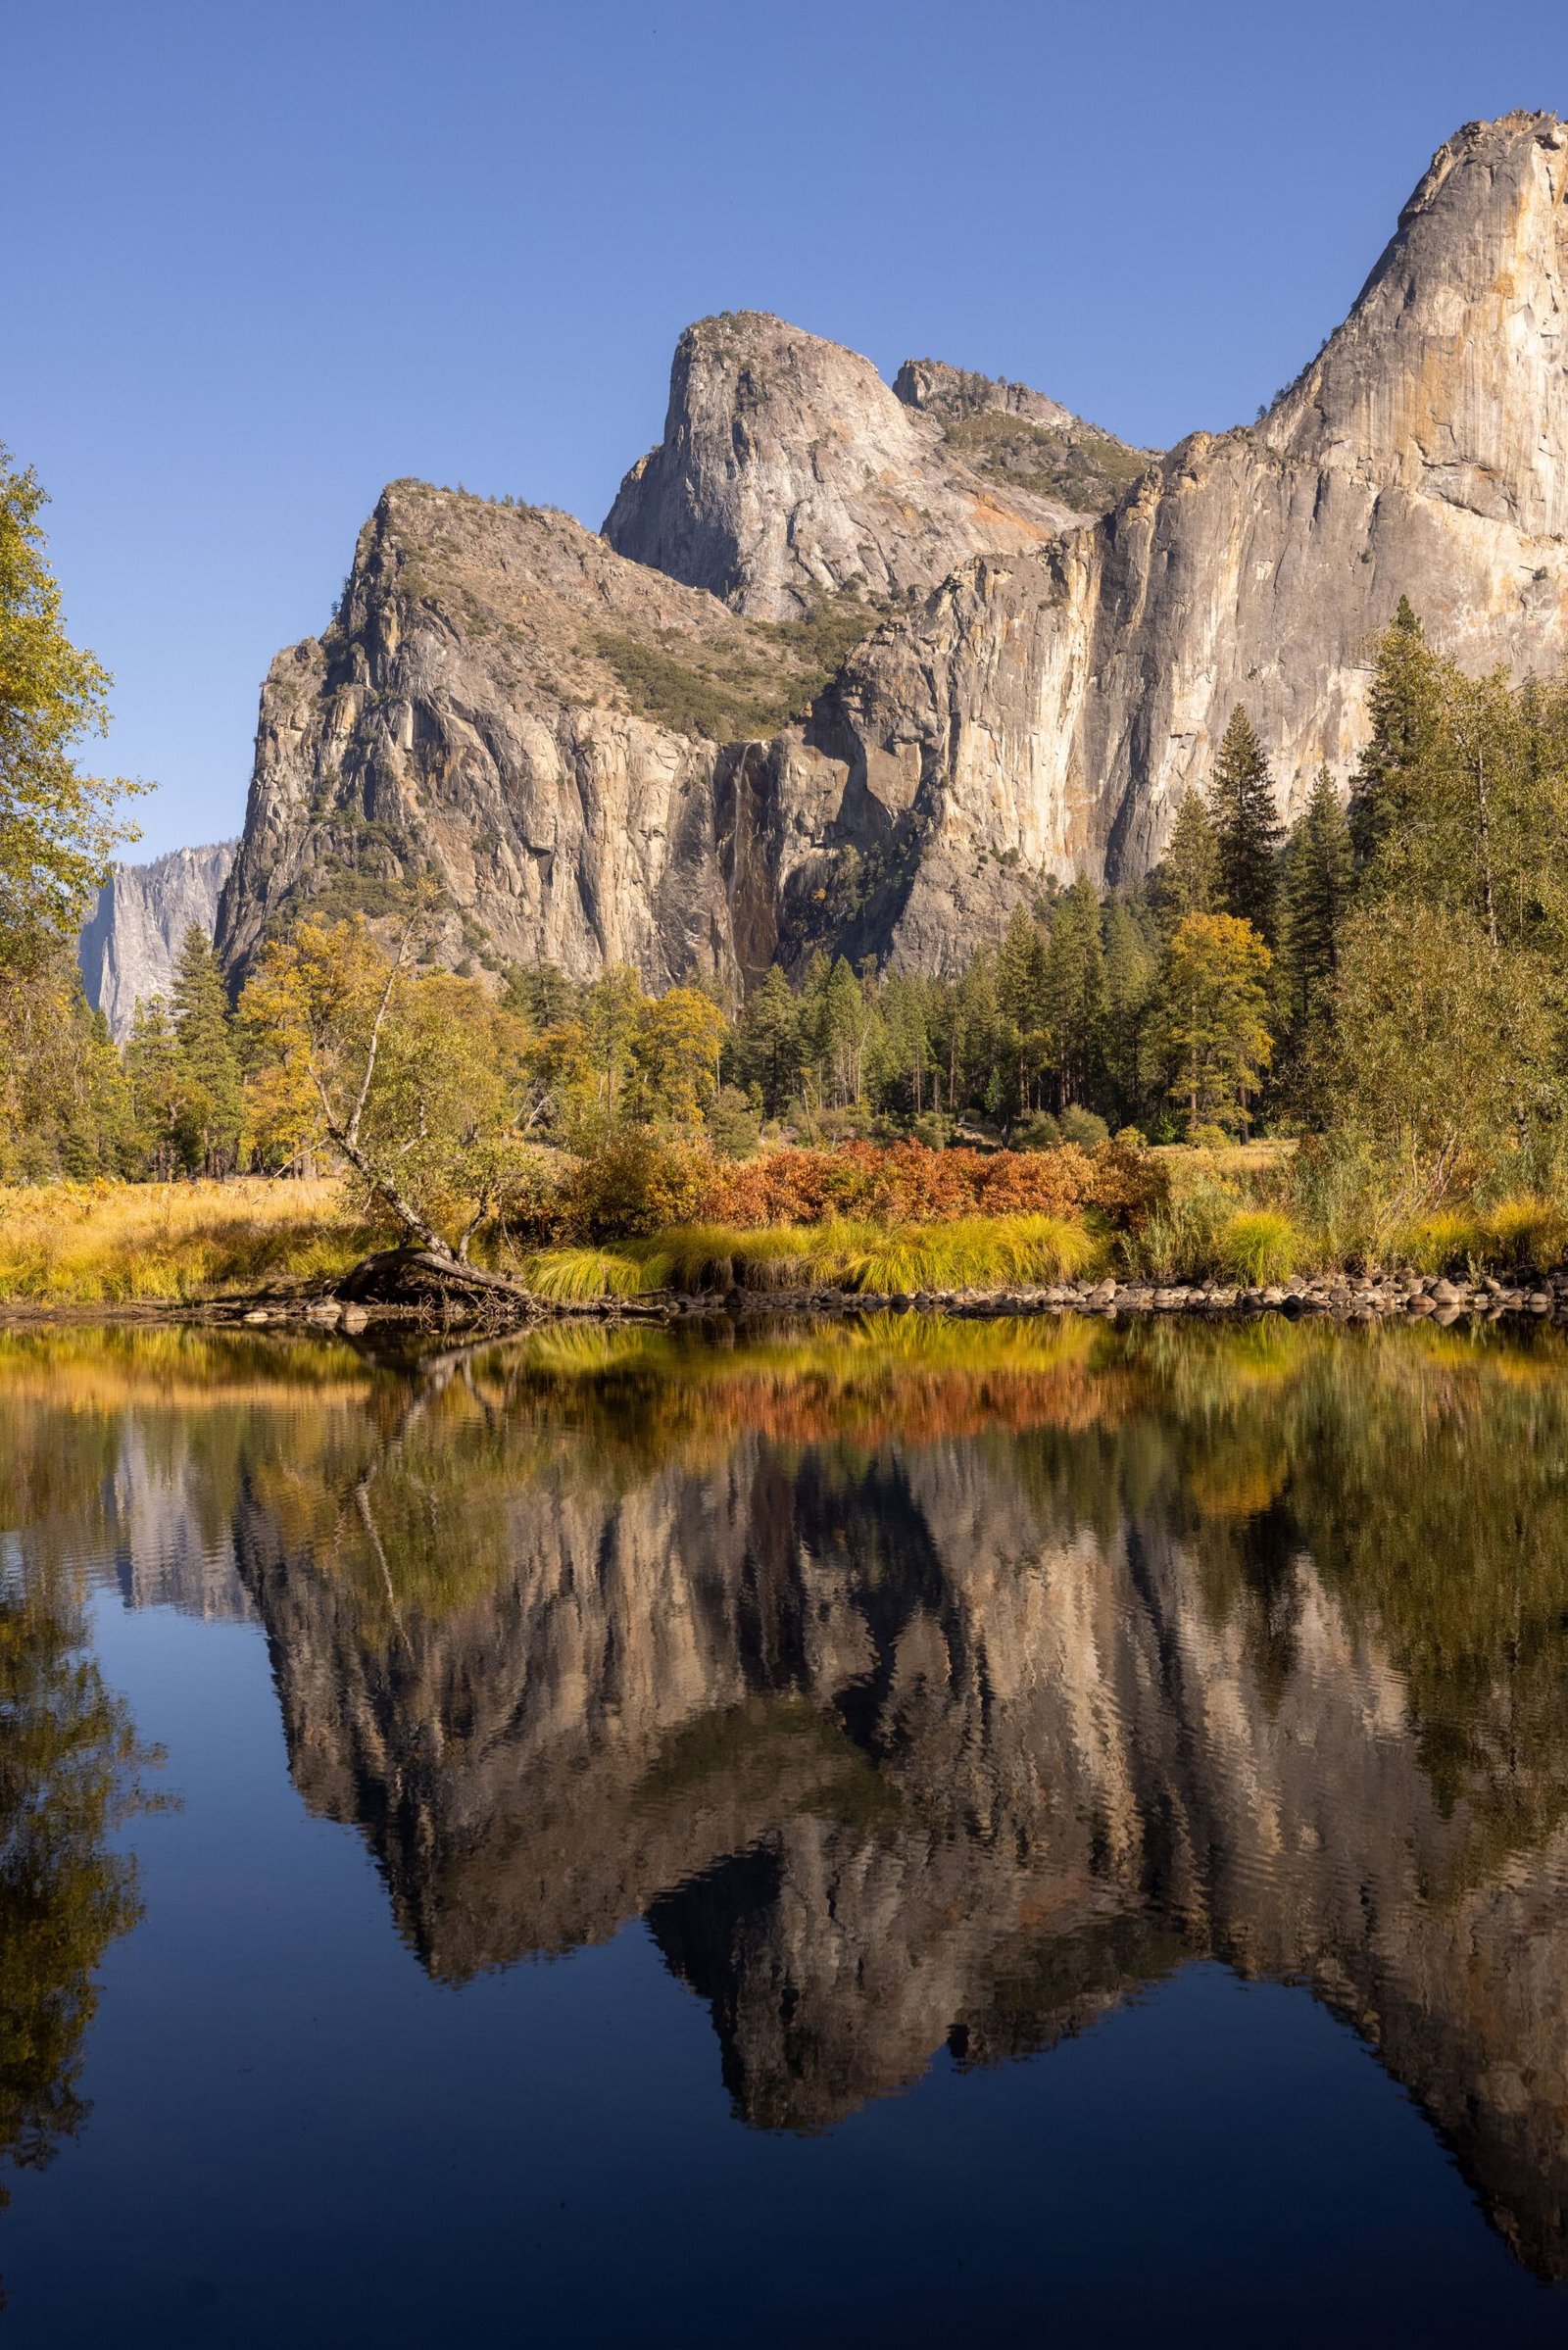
[860,668]
[131,942]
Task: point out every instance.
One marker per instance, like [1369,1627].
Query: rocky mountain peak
[953,394]
[1448,377]
[789,470]
[849,665]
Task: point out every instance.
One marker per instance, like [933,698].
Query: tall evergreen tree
[1247,828]
[1188,880]
[1318,873]
[210,1110]
[1075,992]
[157,1086]
[1404,705]
[765,1055]
[1131,967]
[1022,1000]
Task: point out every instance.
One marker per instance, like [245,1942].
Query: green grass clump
[1181,1239]
[1525,1235]
[577,1276]
[1448,1241]
[697,1257]
[970,1253]
[1260,1245]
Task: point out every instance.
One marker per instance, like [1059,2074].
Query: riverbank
[1394,1298]
[261,1252]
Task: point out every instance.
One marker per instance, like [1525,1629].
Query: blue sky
[262,258]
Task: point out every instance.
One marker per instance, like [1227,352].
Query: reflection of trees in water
[67,1771]
[935,1686]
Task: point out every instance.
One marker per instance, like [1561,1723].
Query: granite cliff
[861,666]
[131,942]
[788,471]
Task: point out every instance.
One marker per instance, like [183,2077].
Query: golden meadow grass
[116,1244]
[119,1244]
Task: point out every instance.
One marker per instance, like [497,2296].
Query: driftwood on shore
[434,1280]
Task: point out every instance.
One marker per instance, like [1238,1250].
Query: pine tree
[1075,992]
[1247,828]
[1404,705]
[1130,974]
[157,1089]
[1022,1000]
[1188,880]
[1318,873]
[765,1056]
[211,1109]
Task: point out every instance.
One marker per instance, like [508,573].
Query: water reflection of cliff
[930,1690]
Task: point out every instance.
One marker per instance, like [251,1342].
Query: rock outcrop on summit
[860,668]
[789,470]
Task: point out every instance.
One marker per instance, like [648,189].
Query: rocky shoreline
[1338,1297]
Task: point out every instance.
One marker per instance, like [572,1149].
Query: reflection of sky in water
[843,1729]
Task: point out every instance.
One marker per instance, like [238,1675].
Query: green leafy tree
[1214,1023]
[612,1017]
[58,827]
[675,1055]
[1247,828]
[1446,1061]
[416,1081]
[65,1107]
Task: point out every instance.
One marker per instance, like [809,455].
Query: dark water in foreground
[972,1834]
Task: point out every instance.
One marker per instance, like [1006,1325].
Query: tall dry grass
[116,1244]
[964,1253]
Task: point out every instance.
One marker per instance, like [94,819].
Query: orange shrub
[909,1183]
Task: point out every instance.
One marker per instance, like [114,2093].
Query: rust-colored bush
[909,1183]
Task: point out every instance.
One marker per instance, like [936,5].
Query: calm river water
[899,1834]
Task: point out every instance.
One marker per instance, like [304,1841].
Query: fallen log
[425,1277]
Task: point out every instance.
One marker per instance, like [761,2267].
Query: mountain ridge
[977,689]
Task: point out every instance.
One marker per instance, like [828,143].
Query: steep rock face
[600,761]
[1057,704]
[504,704]
[789,470]
[131,942]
